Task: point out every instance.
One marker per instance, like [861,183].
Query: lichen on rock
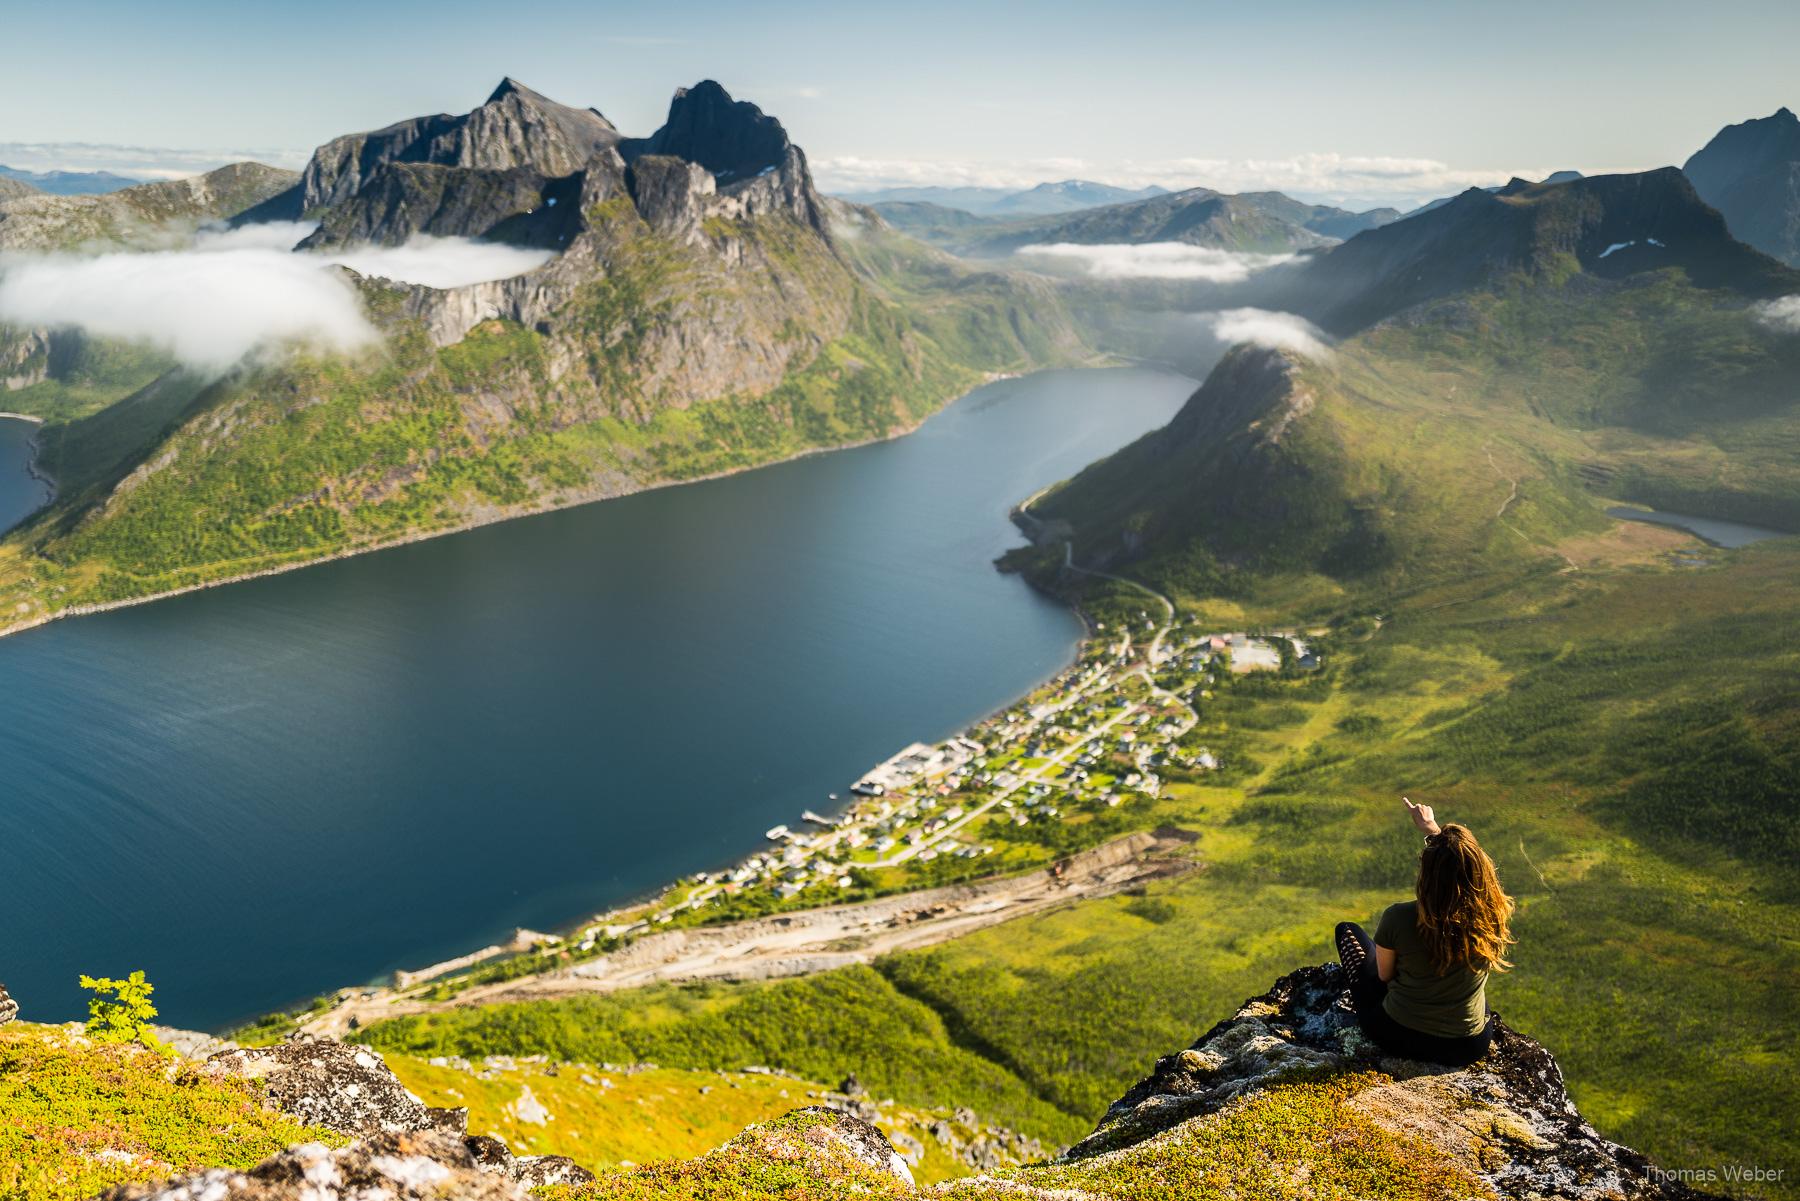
[395,1166]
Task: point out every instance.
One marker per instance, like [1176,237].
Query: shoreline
[33,446]
[402,979]
[88,609]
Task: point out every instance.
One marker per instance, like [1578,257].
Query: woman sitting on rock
[1419,986]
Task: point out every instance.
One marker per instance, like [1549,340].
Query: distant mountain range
[1598,334]
[1267,222]
[1751,173]
[69,183]
[1065,196]
[34,220]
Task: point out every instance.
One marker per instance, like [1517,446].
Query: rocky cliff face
[1750,172]
[513,168]
[515,127]
[733,139]
[1284,1098]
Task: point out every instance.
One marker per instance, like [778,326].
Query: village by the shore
[1100,735]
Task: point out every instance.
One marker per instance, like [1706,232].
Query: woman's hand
[1422,817]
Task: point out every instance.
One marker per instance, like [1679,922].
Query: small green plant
[126,1018]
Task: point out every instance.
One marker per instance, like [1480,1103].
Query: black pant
[1356,951]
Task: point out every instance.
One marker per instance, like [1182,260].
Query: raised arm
[1422,817]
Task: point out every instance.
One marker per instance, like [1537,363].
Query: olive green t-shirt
[1453,1005]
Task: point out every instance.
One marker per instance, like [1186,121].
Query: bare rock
[394,1166]
[536,1171]
[9,1008]
[859,1140]
[341,1087]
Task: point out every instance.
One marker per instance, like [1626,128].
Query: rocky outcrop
[414,1166]
[9,1008]
[533,1171]
[401,200]
[335,1086]
[516,127]
[24,357]
[733,139]
[351,1090]
[1507,1120]
[671,193]
[747,152]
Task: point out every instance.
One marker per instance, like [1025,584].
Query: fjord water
[20,491]
[259,792]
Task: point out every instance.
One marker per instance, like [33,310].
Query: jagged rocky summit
[524,169]
[1750,172]
[1284,1098]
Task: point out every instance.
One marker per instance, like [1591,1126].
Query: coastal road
[809,940]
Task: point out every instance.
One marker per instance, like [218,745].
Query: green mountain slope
[1516,378]
[688,327]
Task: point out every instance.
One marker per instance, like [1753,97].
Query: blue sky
[1384,100]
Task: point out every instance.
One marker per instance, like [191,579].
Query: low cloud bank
[1157,260]
[1783,314]
[231,292]
[441,262]
[1268,328]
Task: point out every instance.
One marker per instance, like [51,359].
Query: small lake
[1728,534]
[260,792]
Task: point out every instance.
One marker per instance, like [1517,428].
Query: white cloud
[1158,260]
[441,262]
[231,292]
[1350,181]
[1782,314]
[1265,327]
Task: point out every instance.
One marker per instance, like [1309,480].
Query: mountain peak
[1750,172]
[734,139]
[511,87]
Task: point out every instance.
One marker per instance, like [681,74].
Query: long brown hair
[1463,911]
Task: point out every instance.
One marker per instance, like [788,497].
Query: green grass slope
[177,484]
[78,1118]
[1609,705]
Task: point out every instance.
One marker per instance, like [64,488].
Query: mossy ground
[76,1118]
[1295,1140]
[1558,716]
[605,1117]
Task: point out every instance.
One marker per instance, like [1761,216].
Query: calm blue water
[20,491]
[1729,534]
[260,792]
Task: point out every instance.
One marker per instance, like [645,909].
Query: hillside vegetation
[1608,704]
[187,481]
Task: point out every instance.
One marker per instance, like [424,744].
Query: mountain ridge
[668,293]
[1750,172]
